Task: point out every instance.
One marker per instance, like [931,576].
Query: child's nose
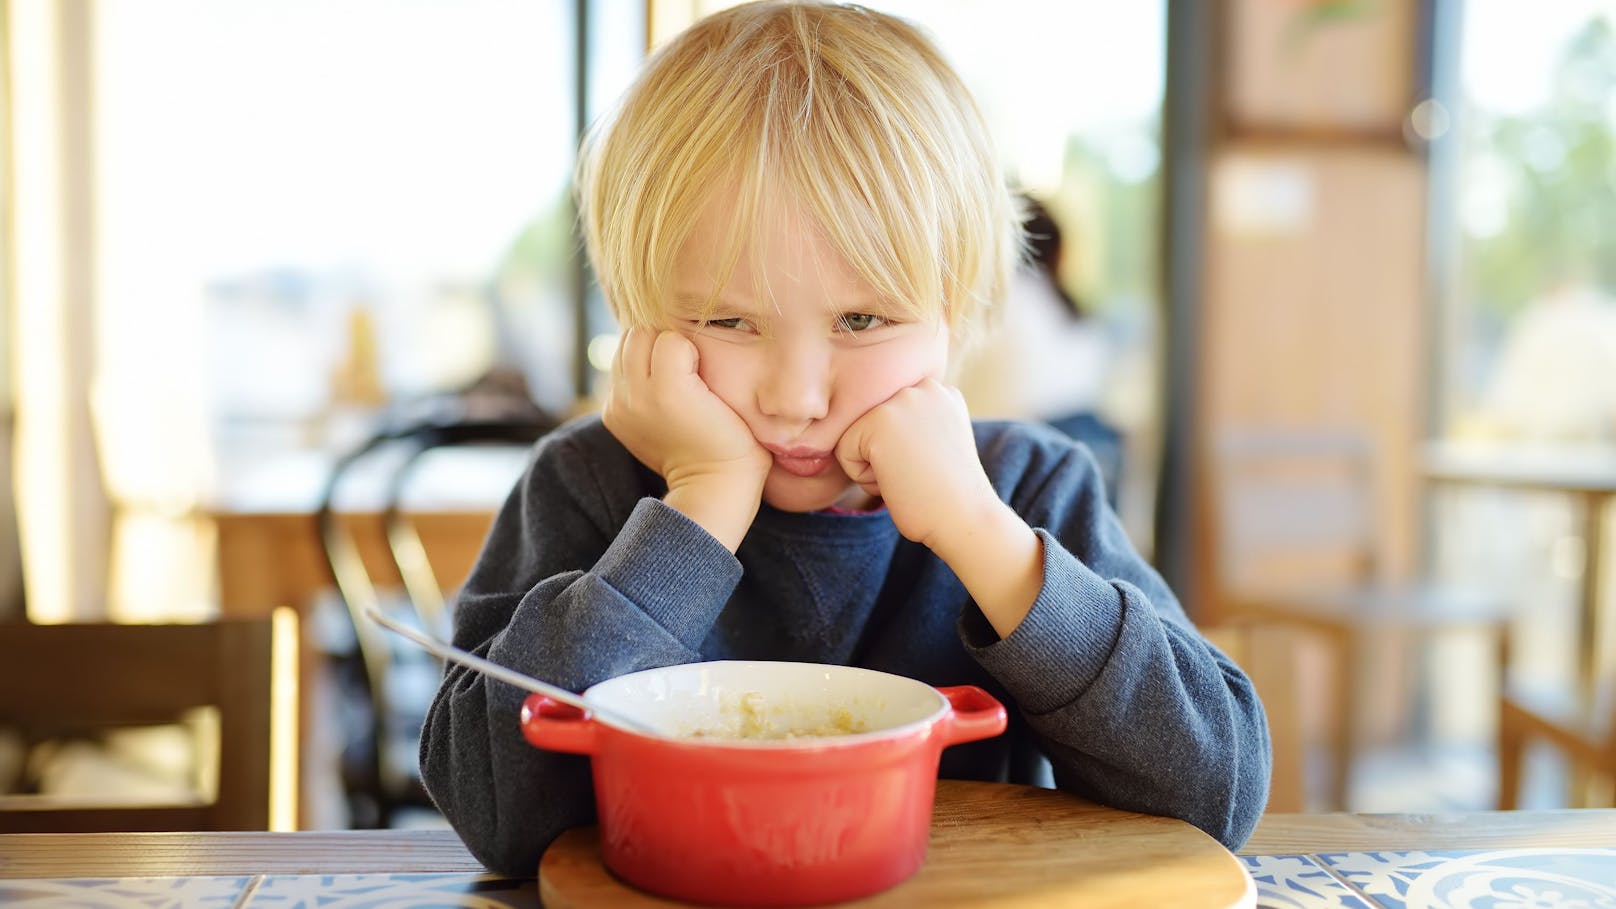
[795,384]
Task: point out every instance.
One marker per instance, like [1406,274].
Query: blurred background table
[269,547]
[1587,474]
[270,558]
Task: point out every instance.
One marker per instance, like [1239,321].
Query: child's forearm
[722,506]
[999,560]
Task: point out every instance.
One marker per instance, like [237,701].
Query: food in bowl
[751,716]
[759,819]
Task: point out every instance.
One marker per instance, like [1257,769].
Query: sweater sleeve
[1133,706]
[577,582]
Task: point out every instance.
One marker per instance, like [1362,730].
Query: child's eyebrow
[871,306]
[687,304]
[699,304]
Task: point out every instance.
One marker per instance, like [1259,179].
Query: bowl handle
[550,724]
[976,715]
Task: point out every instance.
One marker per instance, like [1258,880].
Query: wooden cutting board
[992,844]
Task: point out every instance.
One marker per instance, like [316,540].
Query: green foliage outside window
[1557,166]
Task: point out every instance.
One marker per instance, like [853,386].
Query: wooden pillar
[62,506]
[1313,285]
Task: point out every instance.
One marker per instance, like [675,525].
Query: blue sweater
[587,575]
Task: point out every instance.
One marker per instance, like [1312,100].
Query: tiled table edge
[223,891]
[1415,879]
[1300,882]
[275,891]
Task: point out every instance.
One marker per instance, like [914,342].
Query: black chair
[385,684]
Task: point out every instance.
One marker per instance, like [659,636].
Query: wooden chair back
[1581,729]
[1298,544]
[1294,506]
[75,678]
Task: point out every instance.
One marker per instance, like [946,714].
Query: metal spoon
[508,676]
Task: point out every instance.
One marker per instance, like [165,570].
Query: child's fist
[917,452]
[666,416]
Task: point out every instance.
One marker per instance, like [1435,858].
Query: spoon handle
[504,674]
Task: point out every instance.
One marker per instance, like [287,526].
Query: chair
[390,684]
[1586,733]
[77,680]
[1296,546]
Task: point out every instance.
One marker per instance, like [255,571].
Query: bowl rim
[812,743]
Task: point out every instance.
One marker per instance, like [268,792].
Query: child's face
[799,346]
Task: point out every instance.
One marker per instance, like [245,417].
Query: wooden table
[1330,859]
[69,855]
[992,845]
[1587,474]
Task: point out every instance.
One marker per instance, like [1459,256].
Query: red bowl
[696,814]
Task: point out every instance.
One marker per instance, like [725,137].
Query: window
[1527,329]
[306,211]
[1533,323]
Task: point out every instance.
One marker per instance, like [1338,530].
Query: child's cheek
[717,366]
[928,355]
[877,379]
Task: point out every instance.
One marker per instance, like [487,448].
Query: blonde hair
[851,114]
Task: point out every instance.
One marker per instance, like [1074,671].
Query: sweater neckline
[877,508]
[869,525]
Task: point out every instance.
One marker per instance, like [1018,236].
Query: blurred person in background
[1046,359]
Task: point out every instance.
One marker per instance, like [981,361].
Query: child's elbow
[1247,790]
[1241,820]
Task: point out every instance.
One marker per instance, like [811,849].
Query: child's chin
[804,495]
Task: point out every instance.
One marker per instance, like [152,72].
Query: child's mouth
[802,467]
[801,462]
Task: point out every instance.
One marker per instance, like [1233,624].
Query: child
[796,213]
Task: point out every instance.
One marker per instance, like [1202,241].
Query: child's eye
[860,321]
[735,323]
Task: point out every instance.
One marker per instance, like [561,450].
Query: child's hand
[917,452]
[666,416]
